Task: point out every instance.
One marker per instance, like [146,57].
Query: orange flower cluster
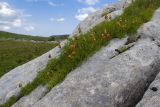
[73,47]
[105,35]
[120,24]
[73,51]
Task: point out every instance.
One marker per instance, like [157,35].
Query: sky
[46,17]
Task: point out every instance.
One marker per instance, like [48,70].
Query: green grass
[84,46]
[13,53]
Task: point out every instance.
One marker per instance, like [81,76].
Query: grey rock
[156,15]
[116,82]
[152,28]
[152,96]
[33,97]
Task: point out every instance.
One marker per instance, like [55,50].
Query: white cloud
[60,19]
[9,17]
[5,9]
[57,19]
[4,27]
[89,2]
[54,4]
[84,12]
[106,4]
[87,10]
[81,17]
[52,19]
[29,28]
[17,23]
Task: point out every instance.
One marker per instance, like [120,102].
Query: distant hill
[7,35]
[58,37]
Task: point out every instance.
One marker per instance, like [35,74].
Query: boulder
[152,28]
[34,96]
[152,96]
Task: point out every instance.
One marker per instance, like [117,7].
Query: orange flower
[104,36]
[73,47]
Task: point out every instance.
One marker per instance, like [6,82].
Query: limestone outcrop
[12,82]
[151,97]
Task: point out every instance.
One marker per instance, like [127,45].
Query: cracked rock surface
[29,100]
[151,97]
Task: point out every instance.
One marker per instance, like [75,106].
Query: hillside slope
[115,76]
[14,36]
[16,53]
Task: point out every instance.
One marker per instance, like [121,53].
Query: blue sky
[46,17]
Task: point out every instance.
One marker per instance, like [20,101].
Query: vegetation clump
[15,53]
[81,48]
